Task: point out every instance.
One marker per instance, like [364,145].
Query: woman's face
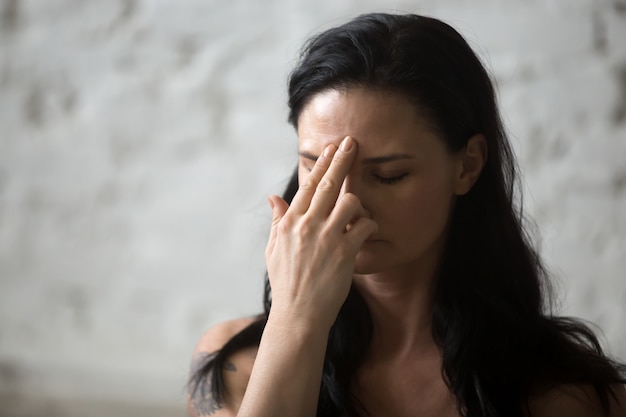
[403,173]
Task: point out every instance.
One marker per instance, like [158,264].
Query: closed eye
[390,180]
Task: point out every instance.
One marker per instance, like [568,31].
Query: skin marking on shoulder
[202,400]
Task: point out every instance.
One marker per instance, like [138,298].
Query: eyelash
[384,180]
[390,180]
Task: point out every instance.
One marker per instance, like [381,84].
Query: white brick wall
[139,139]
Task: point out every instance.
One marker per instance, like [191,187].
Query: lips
[373,240]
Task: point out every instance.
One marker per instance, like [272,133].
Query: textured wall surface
[139,139]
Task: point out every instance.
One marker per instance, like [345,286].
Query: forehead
[379,121]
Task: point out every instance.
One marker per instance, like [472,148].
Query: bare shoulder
[236,371]
[217,336]
[575,401]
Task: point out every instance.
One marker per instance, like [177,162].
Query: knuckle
[351,202]
[327,184]
[281,229]
[284,225]
[307,184]
[351,199]
[305,228]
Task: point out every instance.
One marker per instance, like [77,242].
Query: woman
[402,280]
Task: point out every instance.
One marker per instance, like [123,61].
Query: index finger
[306,189]
[328,188]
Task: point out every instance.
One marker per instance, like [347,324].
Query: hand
[311,252]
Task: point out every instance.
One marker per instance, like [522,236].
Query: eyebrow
[368,161]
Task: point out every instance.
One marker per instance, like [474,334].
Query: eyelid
[309,157]
[389,180]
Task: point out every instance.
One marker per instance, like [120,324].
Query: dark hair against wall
[492,316]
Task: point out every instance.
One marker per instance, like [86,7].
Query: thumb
[279,208]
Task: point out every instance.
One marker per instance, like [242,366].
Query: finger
[347,210]
[279,208]
[306,189]
[360,230]
[329,186]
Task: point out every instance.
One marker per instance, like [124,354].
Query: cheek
[424,211]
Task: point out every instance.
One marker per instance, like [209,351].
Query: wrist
[298,325]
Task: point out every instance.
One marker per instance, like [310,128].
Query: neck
[400,304]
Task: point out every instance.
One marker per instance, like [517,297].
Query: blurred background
[140,138]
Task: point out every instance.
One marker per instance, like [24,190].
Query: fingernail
[269,200]
[346,144]
[328,150]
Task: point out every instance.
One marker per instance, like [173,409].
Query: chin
[369,264]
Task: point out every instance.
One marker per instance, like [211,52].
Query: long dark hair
[492,315]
